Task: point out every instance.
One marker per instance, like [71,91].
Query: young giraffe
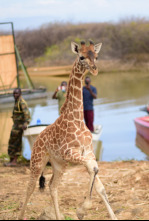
[68,139]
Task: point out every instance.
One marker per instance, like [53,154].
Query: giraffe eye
[82,58]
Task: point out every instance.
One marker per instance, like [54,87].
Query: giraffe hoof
[87,204]
[80,213]
[20,218]
[114,218]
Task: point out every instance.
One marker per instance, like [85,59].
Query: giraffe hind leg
[30,190]
[36,171]
[58,170]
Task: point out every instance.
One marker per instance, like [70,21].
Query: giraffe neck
[73,105]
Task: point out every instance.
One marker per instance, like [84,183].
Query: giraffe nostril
[94,67]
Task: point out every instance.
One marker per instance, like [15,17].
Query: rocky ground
[126,184]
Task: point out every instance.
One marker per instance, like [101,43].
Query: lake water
[120,98]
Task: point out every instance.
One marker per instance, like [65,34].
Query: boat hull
[142,126]
[6,98]
[143,144]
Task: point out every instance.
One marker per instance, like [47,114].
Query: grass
[10,205]
[4,158]
[68,218]
[32,218]
[123,160]
[21,160]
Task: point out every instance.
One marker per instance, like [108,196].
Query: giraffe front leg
[58,171]
[101,191]
[92,168]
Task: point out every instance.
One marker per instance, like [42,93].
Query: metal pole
[18,80]
[29,81]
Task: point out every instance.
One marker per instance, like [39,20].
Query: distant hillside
[50,45]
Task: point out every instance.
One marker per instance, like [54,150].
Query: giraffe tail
[42,182]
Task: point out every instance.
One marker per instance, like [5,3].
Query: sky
[30,14]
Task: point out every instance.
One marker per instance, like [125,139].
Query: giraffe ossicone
[68,139]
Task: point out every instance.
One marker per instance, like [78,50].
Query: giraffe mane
[63,108]
[66,102]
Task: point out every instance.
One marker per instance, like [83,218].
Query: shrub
[127,39]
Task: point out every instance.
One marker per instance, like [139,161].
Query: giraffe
[68,140]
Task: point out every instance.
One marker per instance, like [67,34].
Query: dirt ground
[126,184]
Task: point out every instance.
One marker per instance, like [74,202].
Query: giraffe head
[87,55]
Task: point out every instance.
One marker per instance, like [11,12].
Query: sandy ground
[126,184]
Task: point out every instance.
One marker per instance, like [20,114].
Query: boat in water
[37,93]
[146,109]
[142,126]
[142,144]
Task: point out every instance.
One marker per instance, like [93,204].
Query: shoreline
[105,66]
[121,66]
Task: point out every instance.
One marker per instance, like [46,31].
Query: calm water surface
[120,97]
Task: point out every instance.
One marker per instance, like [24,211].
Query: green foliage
[68,218]
[9,205]
[4,158]
[32,218]
[53,50]
[22,160]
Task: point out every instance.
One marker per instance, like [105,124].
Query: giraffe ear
[97,47]
[75,48]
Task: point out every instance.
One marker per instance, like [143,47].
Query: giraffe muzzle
[94,71]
